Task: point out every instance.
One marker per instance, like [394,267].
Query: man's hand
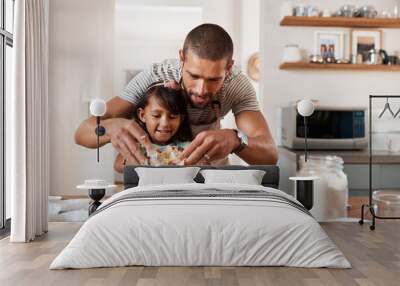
[126,136]
[209,146]
[172,85]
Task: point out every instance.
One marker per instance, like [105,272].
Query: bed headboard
[270,179]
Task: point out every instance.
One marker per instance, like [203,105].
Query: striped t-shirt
[237,93]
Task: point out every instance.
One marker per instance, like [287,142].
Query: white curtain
[27,122]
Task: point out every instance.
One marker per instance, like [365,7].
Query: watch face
[243,137]
[246,140]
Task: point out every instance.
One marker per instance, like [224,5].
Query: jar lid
[329,158]
[304,178]
[388,197]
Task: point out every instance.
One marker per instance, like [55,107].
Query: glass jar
[331,191]
[387,203]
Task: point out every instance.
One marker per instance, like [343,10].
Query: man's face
[202,78]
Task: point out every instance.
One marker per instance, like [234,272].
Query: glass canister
[387,203]
[331,191]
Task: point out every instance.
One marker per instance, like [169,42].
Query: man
[213,85]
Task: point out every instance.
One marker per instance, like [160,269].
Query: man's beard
[190,94]
[207,99]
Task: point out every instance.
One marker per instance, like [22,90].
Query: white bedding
[200,231]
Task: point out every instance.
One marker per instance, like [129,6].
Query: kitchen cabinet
[385,170]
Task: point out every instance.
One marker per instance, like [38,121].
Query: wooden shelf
[350,67]
[340,22]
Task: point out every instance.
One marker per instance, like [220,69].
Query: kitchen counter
[385,168]
[348,156]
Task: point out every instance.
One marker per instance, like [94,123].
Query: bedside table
[96,191]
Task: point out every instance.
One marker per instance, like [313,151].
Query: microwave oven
[335,128]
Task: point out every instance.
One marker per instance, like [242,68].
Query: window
[6,44]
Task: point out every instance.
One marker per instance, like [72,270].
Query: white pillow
[248,177]
[164,176]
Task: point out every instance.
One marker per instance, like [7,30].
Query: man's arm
[124,133]
[217,144]
[116,108]
[261,148]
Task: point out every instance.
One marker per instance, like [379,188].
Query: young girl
[163,115]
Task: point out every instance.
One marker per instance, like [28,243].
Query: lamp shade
[305,107]
[98,107]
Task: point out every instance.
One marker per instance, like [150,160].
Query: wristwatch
[244,141]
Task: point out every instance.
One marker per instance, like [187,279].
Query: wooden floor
[374,255]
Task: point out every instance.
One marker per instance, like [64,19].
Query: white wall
[92,45]
[280,87]
[80,68]
[140,39]
[249,33]
[142,36]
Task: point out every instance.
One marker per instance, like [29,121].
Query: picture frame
[329,43]
[362,41]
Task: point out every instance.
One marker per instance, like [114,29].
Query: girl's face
[161,124]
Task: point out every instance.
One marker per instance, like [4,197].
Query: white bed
[184,230]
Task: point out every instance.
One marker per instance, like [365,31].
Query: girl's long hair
[175,101]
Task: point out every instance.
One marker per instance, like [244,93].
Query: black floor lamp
[97,188]
[98,108]
[305,185]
